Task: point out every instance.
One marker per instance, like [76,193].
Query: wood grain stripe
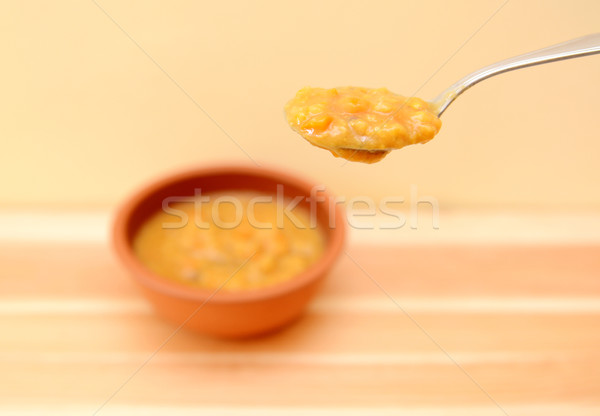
[323,304]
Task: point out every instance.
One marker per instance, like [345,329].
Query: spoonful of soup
[364,124]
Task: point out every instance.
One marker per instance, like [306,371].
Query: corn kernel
[266,264]
[353,104]
[424,117]
[359,126]
[373,119]
[390,134]
[338,130]
[318,123]
[426,133]
[301,117]
[303,92]
[384,107]
[417,104]
[316,109]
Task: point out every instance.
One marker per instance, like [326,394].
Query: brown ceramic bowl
[227,314]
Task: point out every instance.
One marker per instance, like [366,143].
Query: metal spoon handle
[586,45]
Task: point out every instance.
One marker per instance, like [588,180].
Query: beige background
[86,117]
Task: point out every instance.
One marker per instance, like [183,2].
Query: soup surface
[361,124]
[237,241]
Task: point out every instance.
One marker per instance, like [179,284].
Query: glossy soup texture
[209,250]
[361,124]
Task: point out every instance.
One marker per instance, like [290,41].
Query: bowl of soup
[230,251]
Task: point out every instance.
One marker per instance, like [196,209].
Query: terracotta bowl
[228,314]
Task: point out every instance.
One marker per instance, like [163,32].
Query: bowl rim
[145,277]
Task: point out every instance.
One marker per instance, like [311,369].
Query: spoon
[368,148]
[575,48]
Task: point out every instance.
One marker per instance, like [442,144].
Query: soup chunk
[361,124]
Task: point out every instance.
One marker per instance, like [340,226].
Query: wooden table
[426,329]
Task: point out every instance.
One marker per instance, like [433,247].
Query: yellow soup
[233,241]
[361,124]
